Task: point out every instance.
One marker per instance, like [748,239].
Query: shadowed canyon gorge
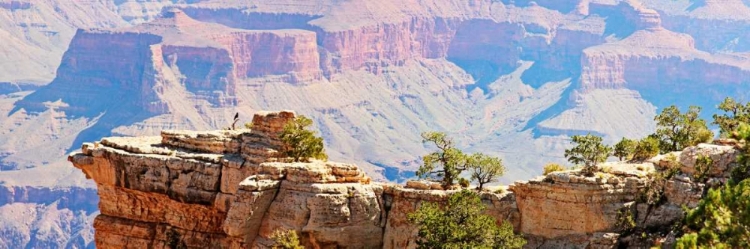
[511,78]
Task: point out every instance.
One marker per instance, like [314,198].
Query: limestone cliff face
[201,189]
[225,188]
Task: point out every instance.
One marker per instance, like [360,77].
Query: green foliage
[721,220]
[485,169]
[446,163]
[500,191]
[646,148]
[702,167]
[461,224]
[285,239]
[734,114]
[741,171]
[625,220]
[588,151]
[552,167]
[624,149]
[300,143]
[249,125]
[653,193]
[676,130]
[672,167]
[463,182]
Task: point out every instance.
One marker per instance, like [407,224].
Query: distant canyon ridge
[508,78]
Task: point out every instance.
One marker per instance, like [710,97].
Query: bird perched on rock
[236,118]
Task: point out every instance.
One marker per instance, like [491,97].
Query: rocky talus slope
[224,189]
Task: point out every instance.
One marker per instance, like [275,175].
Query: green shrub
[646,148]
[461,224]
[553,167]
[721,219]
[463,182]
[500,191]
[677,130]
[735,113]
[624,149]
[285,239]
[702,167]
[625,221]
[588,151]
[299,143]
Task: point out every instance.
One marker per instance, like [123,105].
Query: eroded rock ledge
[223,189]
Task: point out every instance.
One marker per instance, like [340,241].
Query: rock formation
[222,188]
[509,77]
[227,188]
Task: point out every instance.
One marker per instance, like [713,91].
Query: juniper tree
[677,130]
[624,149]
[588,151]
[446,163]
[734,114]
[485,169]
[300,143]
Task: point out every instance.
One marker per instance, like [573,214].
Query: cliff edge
[225,189]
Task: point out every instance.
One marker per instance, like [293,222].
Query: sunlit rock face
[223,188]
[228,188]
[509,78]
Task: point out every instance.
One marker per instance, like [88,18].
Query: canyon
[509,78]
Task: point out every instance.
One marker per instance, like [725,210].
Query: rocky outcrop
[223,188]
[228,188]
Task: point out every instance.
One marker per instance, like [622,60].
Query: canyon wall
[227,189]
[511,77]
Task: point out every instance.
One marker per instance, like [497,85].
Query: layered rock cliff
[509,77]
[225,188]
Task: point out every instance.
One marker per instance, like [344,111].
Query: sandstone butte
[224,189]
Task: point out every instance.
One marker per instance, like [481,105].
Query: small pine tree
[624,149]
[300,143]
[588,151]
[461,224]
[285,239]
[485,169]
